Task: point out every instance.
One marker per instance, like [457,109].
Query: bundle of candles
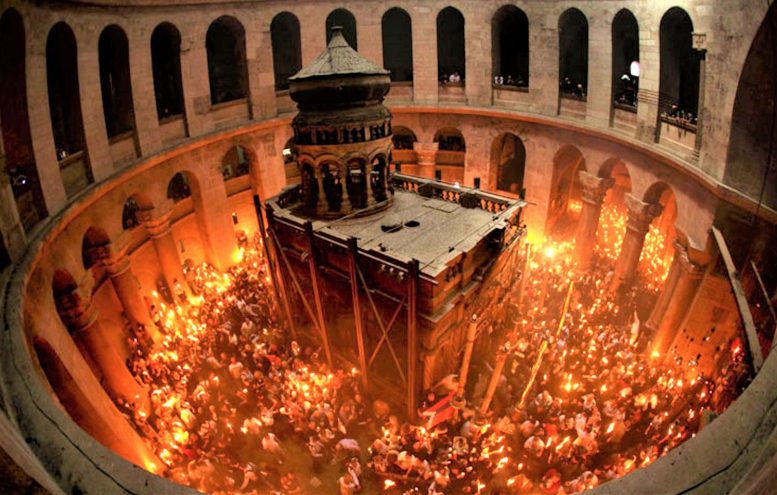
[579,401]
[598,404]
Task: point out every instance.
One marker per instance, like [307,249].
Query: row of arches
[225,45]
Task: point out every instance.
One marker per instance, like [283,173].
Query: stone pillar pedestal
[118,381]
[640,216]
[676,299]
[594,190]
[167,252]
[426,154]
[127,290]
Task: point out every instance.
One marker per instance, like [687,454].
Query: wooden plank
[753,347]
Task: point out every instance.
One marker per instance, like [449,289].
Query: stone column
[166,251]
[543,60]
[86,331]
[424,27]
[41,134]
[477,50]
[128,291]
[261,78]
[426,154]
[666,291]
[648,128]
[95,133]
[143,94]
[686,283]
[194,81]
[599,90]
[700,49]
[640,216]
[345,206]
[594,190]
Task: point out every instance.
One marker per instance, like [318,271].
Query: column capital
[594,187]
[426,152]
[692,262]
[640,213]
[157,226]
[117,264]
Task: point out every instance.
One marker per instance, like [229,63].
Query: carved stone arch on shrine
[356,181]
[331,172]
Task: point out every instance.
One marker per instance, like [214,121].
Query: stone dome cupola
[342,132]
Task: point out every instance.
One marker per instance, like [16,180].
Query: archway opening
[566,191]
[65,109]
[345,19]
[450,46]
[397,36]
[679,83]
[625,54]
[136,210]
[510,47]
[573,53]
[179,187]
[286,48]
[508,158]
[166,68]
[227,71]
[17,141]
[236,163]
[95,247]
[115,82]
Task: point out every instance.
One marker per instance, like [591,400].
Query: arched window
[17,142]
[397,34]
[679,86]
[227,74]
[64,94]
[115,81]
[67,300]
[95,247]
[509,159]
[573,53]
[510,47]
[235,164]
[450,45]
[286,48]
[403,138]
[566,189]
[166,66]
[179,188]
[625,53]
[344,19]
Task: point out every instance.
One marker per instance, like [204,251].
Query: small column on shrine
[594,190]
[167,252]
[640,215]
[426,155]
[677,298]
[128,291]
[323,205]
[345,205]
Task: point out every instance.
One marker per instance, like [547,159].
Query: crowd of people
[238,406]
[597,404]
